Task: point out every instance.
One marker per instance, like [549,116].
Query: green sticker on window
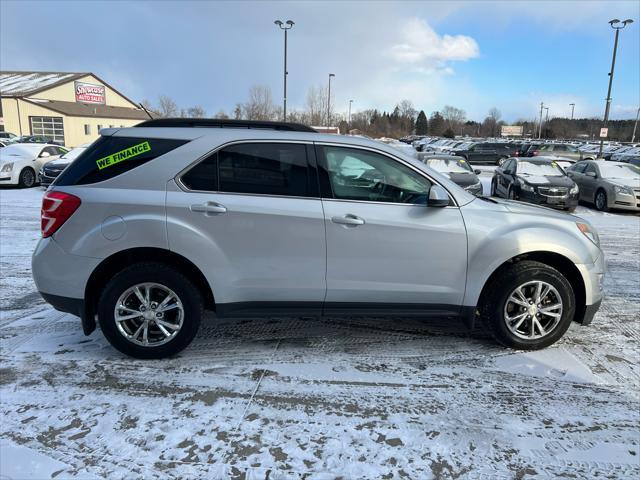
[123,155]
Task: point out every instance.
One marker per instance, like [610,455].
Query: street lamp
[350,102]
[329,102]
[635,126]
[617,25]
[540,124]
[286,27]
[572,105]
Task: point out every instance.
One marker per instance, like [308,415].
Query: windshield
[619,171]
[551,169]
[453,165]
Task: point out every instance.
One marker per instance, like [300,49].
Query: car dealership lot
[357,397]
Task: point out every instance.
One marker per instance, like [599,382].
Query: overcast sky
[472,55]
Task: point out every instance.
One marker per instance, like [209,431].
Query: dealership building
[69,108]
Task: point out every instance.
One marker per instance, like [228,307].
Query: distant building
[66,107]
[334,130]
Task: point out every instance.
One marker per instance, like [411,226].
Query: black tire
[511,194]
[494,192]
[601,201]
[27,178]
[500,288]
[158,273]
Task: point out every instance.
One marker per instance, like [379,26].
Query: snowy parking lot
[338,398]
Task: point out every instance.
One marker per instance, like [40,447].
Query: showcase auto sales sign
[89,93]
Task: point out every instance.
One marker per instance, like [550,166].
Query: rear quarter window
[109,157]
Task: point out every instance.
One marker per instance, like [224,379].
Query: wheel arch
[122,259]
[561,263]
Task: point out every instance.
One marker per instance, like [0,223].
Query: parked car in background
[487,152]
[7,137]
[541,181]
[2,144]
[21,162]
[560,150]
[153,224]
[36,139]
[608,184]
[626,155]
[50,170]
[456,169]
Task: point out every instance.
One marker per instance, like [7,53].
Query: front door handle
[208,208]
[348,219]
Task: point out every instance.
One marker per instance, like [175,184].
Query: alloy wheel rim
[28,178]
[149,314]
[533,310]
[600,201]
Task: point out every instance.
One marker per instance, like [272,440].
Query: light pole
[329,102]
[351,101]
[617,25]
[635,125]
[540,124]
[286,27]
[572,105]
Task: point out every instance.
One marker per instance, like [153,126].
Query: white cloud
[422,46]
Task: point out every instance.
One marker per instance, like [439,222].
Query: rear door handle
[208,208]
[348,219]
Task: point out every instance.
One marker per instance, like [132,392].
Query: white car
[20,162]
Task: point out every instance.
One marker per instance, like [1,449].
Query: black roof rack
[225,123]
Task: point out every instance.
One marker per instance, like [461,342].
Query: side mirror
[438,197]
[477,171]
[45,155]
[591,174]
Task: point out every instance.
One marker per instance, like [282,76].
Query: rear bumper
[74,306]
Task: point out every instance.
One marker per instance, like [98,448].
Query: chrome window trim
[178,177]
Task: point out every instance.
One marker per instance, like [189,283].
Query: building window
[50,127]
[87,129]
[111,126]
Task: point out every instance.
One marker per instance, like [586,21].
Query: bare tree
[316,105]
[167,107]
[260,104]
[495,114]
[453,116]
[221,114]
[196,112]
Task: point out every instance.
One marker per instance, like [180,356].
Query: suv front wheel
[528,306]
[150,310]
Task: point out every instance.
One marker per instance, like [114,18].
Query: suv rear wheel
[27,178]
[150,310]
[529,305]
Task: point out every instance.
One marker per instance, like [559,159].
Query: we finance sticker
[123,155]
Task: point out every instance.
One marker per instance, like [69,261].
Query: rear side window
[254,168]
[109,157]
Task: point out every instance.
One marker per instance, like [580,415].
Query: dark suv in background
[488,152]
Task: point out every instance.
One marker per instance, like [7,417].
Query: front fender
[497,236]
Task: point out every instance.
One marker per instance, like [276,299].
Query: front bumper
[9,178]
[626,202]
[564,203]
[593,277]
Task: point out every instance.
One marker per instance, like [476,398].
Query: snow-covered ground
[337,398]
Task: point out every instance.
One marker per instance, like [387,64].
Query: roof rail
[225,123]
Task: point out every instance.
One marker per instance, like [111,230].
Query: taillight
[535,153]
[57,207]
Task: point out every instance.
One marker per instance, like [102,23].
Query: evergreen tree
[436,124]
[422,124]
[449,133]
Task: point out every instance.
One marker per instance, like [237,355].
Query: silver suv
[154,224]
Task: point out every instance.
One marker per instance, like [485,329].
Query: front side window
[578,167]
[363,175]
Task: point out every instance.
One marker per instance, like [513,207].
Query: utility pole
[635,125]
[286,27]
[329,102]
[572,105]
[613,24]
[350,102]
[540,125]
